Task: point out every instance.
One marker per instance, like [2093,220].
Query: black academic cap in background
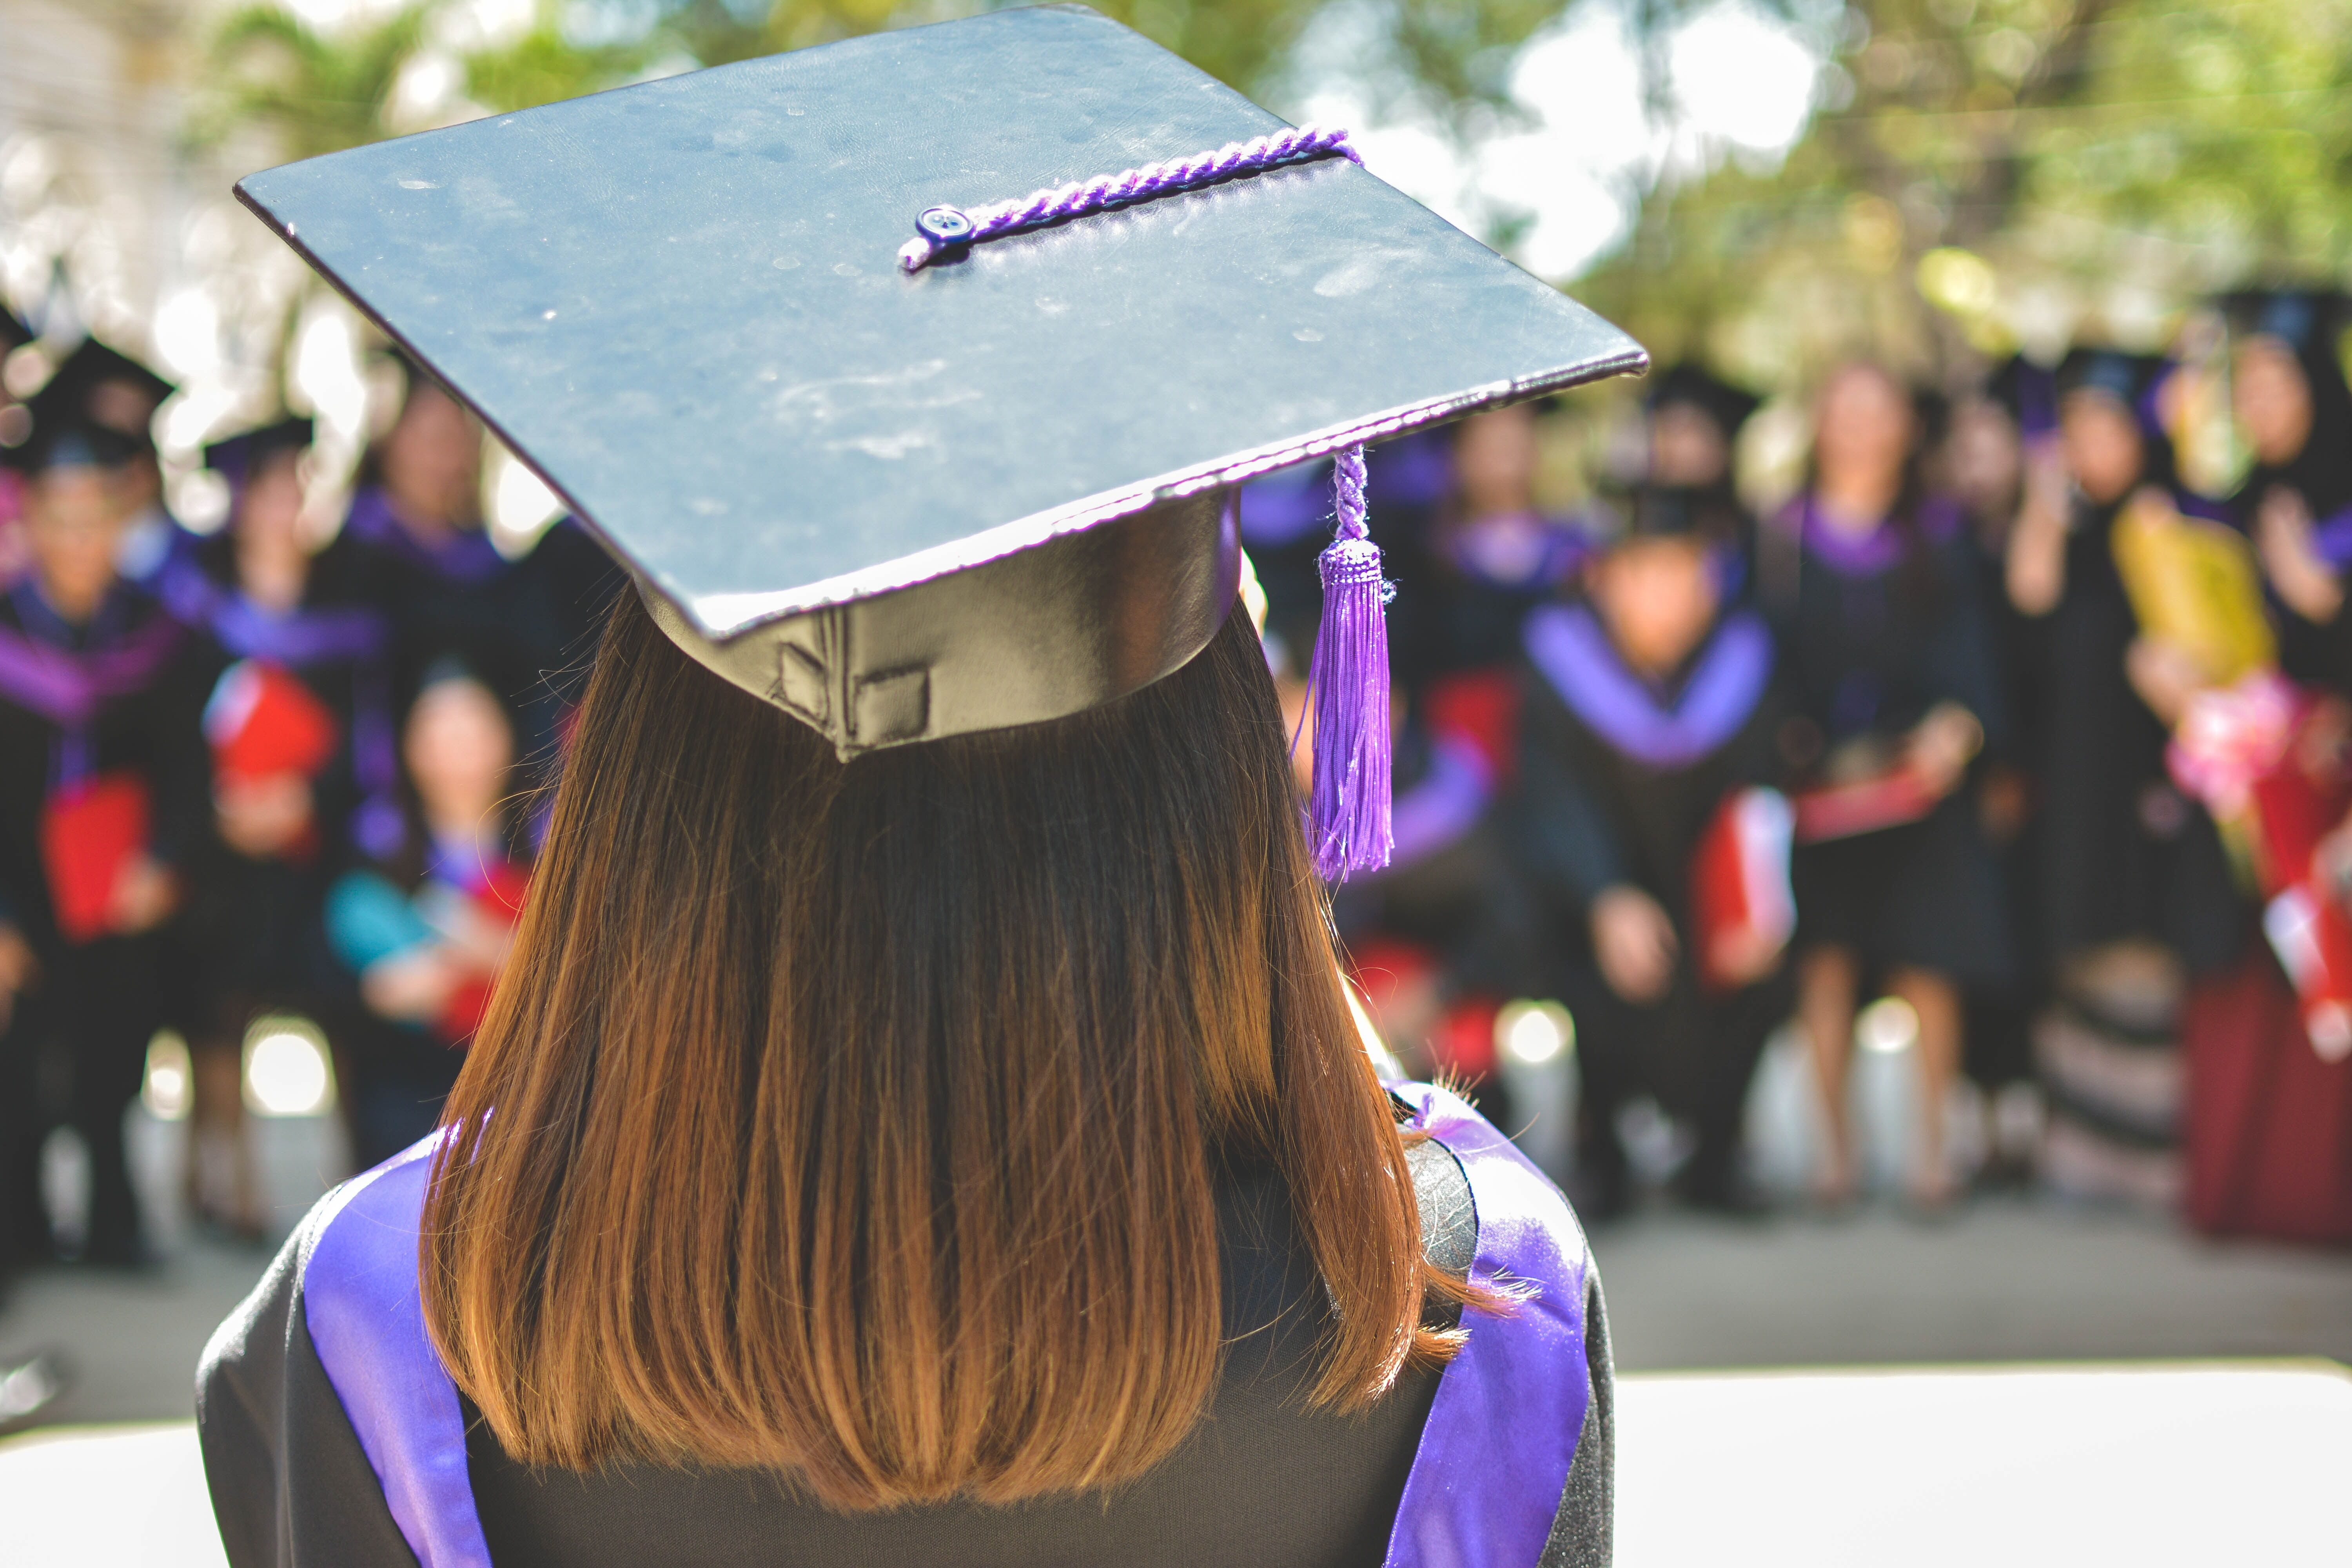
[238,458]
[904,505]
[1677,511]
[2308,320]
[13,332]
[1689,382]
[83,381]
[57,440]
[2129,378]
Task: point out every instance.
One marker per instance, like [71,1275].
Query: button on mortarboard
[679,301]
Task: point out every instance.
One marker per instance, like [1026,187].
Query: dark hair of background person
[862,1122]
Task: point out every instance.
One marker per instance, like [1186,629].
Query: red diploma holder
[1742,901]
[1890,799]
[262,721]
[89,831]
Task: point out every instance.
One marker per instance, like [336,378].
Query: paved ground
[2006,1281]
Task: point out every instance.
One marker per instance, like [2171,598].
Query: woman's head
[267,515]
[457,745]
[430,461]
[1494,459]
[2272,396]
[1658,595]
[1864,429]
[860,1120]
[2106,451]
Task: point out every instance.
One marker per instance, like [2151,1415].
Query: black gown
[1261,1482]
[1596,812]
[2124,854]
[99,999]
[2320,653]
[1873,634]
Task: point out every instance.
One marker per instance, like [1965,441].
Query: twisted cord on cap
[941,229]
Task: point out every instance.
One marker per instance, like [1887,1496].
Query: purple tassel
[1348,818]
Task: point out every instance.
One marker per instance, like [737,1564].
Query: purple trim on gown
[465,558]
[1484,1485]
[68,685]
[2332,537]
[1574,656]
[1501,1436]
[367,1323]
[1864,554]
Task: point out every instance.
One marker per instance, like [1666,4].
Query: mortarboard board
[61,438]
[2130,379]
[1689,382]
[93,366]
[904,501]
[2307,319]
[237,458]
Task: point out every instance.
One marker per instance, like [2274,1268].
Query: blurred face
[1657,598]
[1984,457]
[269,510]
[433,459]
[73,521]
[2105,449]
[458,747]
[2272,399]
[1863,428]
[127,406]
[1495,460]
[1687,447]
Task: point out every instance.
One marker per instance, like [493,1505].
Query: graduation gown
[525,626]
[1620,780]
[2322,474]
[2123,853]
[256,923]
[1873,632]
[115,702]
[332,1436]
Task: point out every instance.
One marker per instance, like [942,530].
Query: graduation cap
[59,438]
[86,384]
[238,457]
[13,333]
[2130,379]
[1689,384]
[2308,321]
[985,483]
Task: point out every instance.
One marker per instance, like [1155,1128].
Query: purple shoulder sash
[1487,1478]
[68,688]
[1572,652]
[367,1323]
[1495,1455]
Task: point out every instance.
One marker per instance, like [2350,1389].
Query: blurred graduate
[104,804]
[920,1118]
[1650,834]
[1874,599]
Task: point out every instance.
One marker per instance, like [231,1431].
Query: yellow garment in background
[2195,585]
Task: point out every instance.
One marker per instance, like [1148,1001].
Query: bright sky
[1743,85]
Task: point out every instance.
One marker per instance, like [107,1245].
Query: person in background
[301,729]
[521,624]
[103,793]
[15,424]
[1695,419]
[2287,390]
[1651,708]
[1890,667]
[1979,462]
[424,934]
[2135,893]
[115,391]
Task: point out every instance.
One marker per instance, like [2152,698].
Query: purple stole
[1728,679]
[69,688]
[465,559]
[1447,803]
[1486,1483]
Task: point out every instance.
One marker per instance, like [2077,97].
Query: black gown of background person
[524,626]
[1608,797]
[2321,473]
[99,1000]
[256,923]
[2123,853]
[1873,634]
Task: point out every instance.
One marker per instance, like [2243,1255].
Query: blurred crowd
[276,770]
[1990,726]
[1995,719]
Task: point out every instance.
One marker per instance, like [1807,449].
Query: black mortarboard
[237,458]
[13,333]
[907,503]
[92,366]
[1727,404]
[1677,511]
[2130,379]
[59,440]
[2307,319]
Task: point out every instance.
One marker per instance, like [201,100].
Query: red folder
[89,831]
[1889,799]
[1740,896]
[263,721]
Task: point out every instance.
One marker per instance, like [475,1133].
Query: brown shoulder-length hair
[860,1122]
